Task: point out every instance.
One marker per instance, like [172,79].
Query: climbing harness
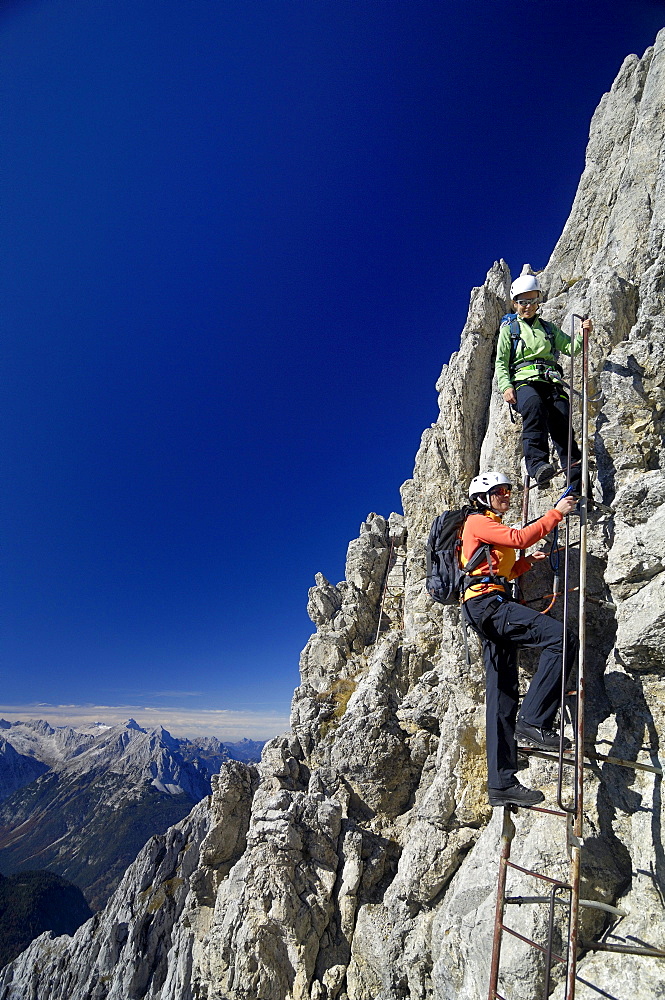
[558,893]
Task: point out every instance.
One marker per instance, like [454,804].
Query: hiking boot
[543,473]
[536,736]
[516,795]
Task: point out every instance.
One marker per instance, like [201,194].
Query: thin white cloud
[177,694]
[225,724]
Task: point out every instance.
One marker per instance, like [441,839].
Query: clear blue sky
[238,239]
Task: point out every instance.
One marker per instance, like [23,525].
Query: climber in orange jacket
[504,625]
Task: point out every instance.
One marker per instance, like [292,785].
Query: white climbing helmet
[480,486]
[525,283]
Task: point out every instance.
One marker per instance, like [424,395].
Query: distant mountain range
[82,803]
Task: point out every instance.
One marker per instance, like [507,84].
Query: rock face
[358,861]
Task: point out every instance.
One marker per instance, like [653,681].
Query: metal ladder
[561,892]
[391,608]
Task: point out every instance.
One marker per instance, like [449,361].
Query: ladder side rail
[564,656]
[525,519]
[570,401]
[574,809]
[566,578]
[507,834]
[578,822]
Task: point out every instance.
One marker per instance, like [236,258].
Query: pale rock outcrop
[370,862]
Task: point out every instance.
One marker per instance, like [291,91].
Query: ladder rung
[569,759]
[551,812]
[545,878]
[534,944]
[522,900]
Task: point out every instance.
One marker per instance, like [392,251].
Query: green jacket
[534,345]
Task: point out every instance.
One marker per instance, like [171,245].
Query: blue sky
[238,239]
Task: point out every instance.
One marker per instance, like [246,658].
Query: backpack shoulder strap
[551,335]
[483,552]
[515,339]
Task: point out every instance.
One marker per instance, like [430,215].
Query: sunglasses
[501,491]
[527,302]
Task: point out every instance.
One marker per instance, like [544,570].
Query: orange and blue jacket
[503,541]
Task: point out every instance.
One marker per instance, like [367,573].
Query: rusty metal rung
[545,878]
[634,765]
[534,944]
[551,812]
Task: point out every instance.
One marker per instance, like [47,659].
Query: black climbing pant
[504,625]
[544,409]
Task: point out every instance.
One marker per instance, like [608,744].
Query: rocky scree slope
[358,861]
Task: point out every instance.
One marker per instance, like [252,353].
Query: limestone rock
[324,601]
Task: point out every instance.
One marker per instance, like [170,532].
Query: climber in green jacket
[530,380]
